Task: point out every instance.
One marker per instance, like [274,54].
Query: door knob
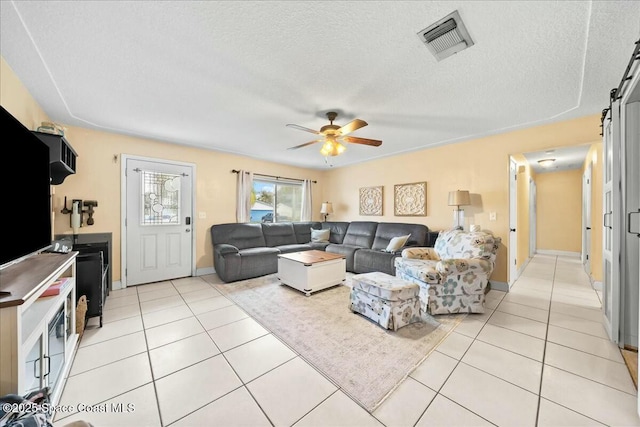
[512,229]
[588,228]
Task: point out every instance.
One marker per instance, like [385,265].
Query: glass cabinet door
[33,367]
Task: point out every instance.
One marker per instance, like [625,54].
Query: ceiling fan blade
[365,141]
[303,128]
[305,144]
[351,126]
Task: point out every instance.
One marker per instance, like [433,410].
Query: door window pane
[160,198]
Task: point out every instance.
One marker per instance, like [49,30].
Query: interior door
[158,221]
[513,221]
[586,218]
[533,217]
[611,223]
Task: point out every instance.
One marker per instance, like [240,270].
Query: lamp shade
[327,208]
[459,198]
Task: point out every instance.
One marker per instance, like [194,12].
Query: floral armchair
[452,275]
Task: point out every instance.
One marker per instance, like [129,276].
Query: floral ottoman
[387,300]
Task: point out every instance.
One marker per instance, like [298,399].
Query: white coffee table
[311,271]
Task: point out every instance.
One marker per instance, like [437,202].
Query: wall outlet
[492,216]
[202,215]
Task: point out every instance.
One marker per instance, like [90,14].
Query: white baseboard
[499,286]
[596,285]
[205,271]
[116,285]
[559,253]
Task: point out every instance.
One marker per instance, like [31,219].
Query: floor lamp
[459,198]
[327,208]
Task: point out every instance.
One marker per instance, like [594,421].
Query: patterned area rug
[365,360]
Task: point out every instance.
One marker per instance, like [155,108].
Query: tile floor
[179,354]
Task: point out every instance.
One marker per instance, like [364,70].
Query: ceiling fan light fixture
[545,163]
[331,147]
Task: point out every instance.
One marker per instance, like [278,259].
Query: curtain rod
[273,176]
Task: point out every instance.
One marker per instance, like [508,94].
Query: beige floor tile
[519,324]
[124,312]
[174,331]
[523,344]
[111,330]
[495,294]
[111,303]
[186,281]
[585,342]
[236,409]
[181,354]
[221,317]
[200,295]
[587,313]
[161,304]
[455,345]
[469,327]
[125,292]
[406,404]
[234,334]
[192,388]
[532,299]
[290,391]
[106,382]
[213,279]
[491,304]
[256,357]
[480,317]
[137,407]
[532,313]
[434,370]
[594,400]
[338,410]
[511,367]
[531,283]
[444,412]
[105,352]
[582,296]
[160,293]
[508,405]
[209,304]
[553,415]
[165,316]
[152,287]
[538,273]
[605,371]
[587,303]
[579,325]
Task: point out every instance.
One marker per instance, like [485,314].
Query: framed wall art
[410,199]
[371,201]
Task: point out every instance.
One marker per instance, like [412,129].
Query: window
[276,200]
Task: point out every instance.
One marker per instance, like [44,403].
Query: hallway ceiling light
[545,163]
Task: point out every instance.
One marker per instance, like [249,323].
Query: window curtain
[244,188]
[306,212]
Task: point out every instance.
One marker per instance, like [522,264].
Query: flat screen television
[26,192]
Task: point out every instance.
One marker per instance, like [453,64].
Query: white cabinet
[37,334]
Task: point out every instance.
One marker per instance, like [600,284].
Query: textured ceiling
[565,158]
[230,75]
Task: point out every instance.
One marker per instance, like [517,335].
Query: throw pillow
[396,243]
[320,236]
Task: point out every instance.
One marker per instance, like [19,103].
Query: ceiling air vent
[446,37]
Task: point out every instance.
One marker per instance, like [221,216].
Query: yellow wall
[479,165]
[559,225]
[594,157]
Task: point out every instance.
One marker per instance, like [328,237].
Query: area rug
[365,360]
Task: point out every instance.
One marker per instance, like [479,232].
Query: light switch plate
[202,215]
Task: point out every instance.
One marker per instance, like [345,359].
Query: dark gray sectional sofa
[243,251]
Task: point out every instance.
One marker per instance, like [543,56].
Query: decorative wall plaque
[371,201]
[410,199]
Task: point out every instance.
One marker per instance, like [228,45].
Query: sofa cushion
[320,236]
[279,233]
[285,249]
[241,236]
[388,230]
[338,230]
[361,234]
[369,260]
[347,250]
[397,243]
[303,230]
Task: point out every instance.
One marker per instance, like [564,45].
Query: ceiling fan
[334,136]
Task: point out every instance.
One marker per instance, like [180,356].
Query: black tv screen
[26,193]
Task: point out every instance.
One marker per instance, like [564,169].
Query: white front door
[611,223]
[158,220]
[513,221]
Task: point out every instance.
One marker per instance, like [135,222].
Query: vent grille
[447,36]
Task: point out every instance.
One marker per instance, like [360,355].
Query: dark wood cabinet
[61,155]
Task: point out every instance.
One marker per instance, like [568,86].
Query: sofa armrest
[420,253]
[225,249]
[451,266]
